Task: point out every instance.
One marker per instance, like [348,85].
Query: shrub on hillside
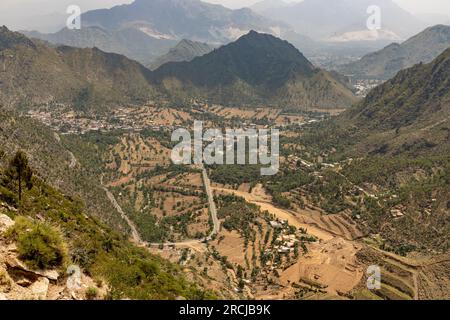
[8,196]
[91,293]
[39,245]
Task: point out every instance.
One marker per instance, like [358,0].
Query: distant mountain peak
[271,44]
[324,19]
[185,50]
[190,43]
[257,36]
[192,19]
[185,41]
[253,33]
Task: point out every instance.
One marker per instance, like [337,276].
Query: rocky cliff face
[18,282]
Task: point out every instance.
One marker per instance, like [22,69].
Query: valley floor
[236,239]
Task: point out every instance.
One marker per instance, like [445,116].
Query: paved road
[212,205]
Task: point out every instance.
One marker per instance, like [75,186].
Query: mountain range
[385,63]
[257,69]
[182,19]
[342,20]
[185,50]
[146,29]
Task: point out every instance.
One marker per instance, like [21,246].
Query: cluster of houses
[71,123]
[285,243]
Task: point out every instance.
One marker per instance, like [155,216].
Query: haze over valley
[355,121]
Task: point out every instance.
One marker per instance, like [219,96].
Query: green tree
[20,170]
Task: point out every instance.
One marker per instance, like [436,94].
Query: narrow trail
[134,233]
[73,160]
[212,211]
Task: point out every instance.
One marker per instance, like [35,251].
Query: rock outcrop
[18,282]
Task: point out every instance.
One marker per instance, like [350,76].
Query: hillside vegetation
[53,231]
[395,143]
[409,113]
[35,74]
[49,154]
[256,70]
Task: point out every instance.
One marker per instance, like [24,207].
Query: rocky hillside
[185,50]
[257,69]
[19,282]
[33,73]
[384,64]
[407,116]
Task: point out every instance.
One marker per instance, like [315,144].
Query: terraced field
[406,278]
[341,225]
[165,202]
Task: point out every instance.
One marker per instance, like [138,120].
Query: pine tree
[20,170]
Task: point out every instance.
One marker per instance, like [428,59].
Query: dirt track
[331,261]
[282,214]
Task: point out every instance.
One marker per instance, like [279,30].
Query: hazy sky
[414,6]
[23,13]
